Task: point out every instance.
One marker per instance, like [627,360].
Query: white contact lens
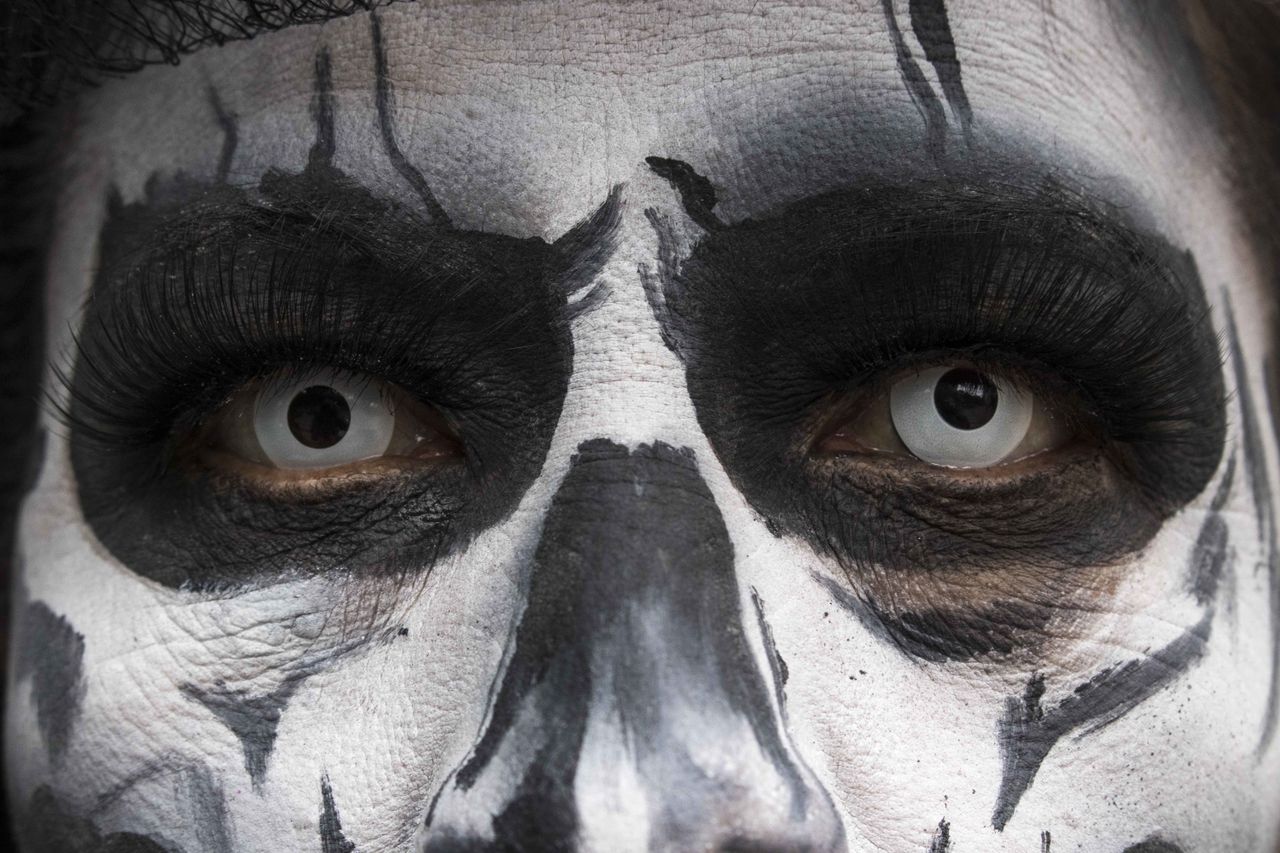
[960,417]
[323,420]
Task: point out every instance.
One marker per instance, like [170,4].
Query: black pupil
[319,417]
[965,398]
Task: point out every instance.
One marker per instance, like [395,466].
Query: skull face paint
[620,540]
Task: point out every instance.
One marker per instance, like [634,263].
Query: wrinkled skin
[636,644]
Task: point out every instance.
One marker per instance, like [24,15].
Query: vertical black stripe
[941,841]
[322,111]
[922,94]
[384,99]
[331,838]
[230,136]
[933,30]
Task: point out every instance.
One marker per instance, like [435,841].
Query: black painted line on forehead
[1258,474]
[922,94]
[1026,733]
[384,97]
[933,30]
[322,110]
[230,135]
[941,841]
[332,839]
[51,652]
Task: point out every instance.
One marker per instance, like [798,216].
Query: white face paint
[678,594]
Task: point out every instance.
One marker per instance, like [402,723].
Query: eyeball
[323,421]
[960,417]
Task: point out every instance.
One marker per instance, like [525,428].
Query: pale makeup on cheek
[636,559]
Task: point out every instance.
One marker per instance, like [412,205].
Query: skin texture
[444,669]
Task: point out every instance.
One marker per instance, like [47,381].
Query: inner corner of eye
[321,423]
[953,415]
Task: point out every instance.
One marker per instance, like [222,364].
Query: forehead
[521,116]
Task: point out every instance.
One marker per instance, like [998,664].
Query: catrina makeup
[523,429]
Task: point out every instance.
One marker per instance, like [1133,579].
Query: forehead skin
[522,117]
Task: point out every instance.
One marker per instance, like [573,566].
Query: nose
[632,713]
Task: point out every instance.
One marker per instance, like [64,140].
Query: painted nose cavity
[632,713]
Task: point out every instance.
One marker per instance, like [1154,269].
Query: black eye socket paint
[204,288]
[632,623]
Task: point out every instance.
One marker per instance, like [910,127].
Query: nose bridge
[632,641]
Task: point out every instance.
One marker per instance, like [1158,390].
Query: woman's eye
[953,416]
[322,420]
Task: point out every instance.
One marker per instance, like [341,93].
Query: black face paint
[1258,471]
[1153,845]
[49,826]
[776,317]
[933,30]
[51,653]
[941,841]
[697,195]
[252,719]
[922,94]
[230,136]
[633,615]
[1212,550]
[1045,841]
[1027,732]
[384,100]
[331,838]
[475,324]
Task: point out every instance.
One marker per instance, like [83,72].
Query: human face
[773,428]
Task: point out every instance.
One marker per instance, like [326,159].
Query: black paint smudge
[52,653]
[697,195]
[941,841]
[1027,732]
[922,94]
[1045,841]
[385,104]
[634,577]
[252,719]
[933,30]
[208,817]
[588,246]
[1213,546]
[322,110]
[331,838]
[230,136]
[49,825]
[1258,471]
[1153,845]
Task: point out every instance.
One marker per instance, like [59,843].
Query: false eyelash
[169,339]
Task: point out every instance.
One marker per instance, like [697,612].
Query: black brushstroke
[634,577]
[933,31]
[230,136]
[50,825]
[1045,841]
[1213,547]
[1027,732]
[384,97]
[51,652]
[1258,471]
[587,247]
[941,841]
[660,285]
[322,111]
[697,195]
[252,719]
[777,666]
[331,838]
[922,94]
